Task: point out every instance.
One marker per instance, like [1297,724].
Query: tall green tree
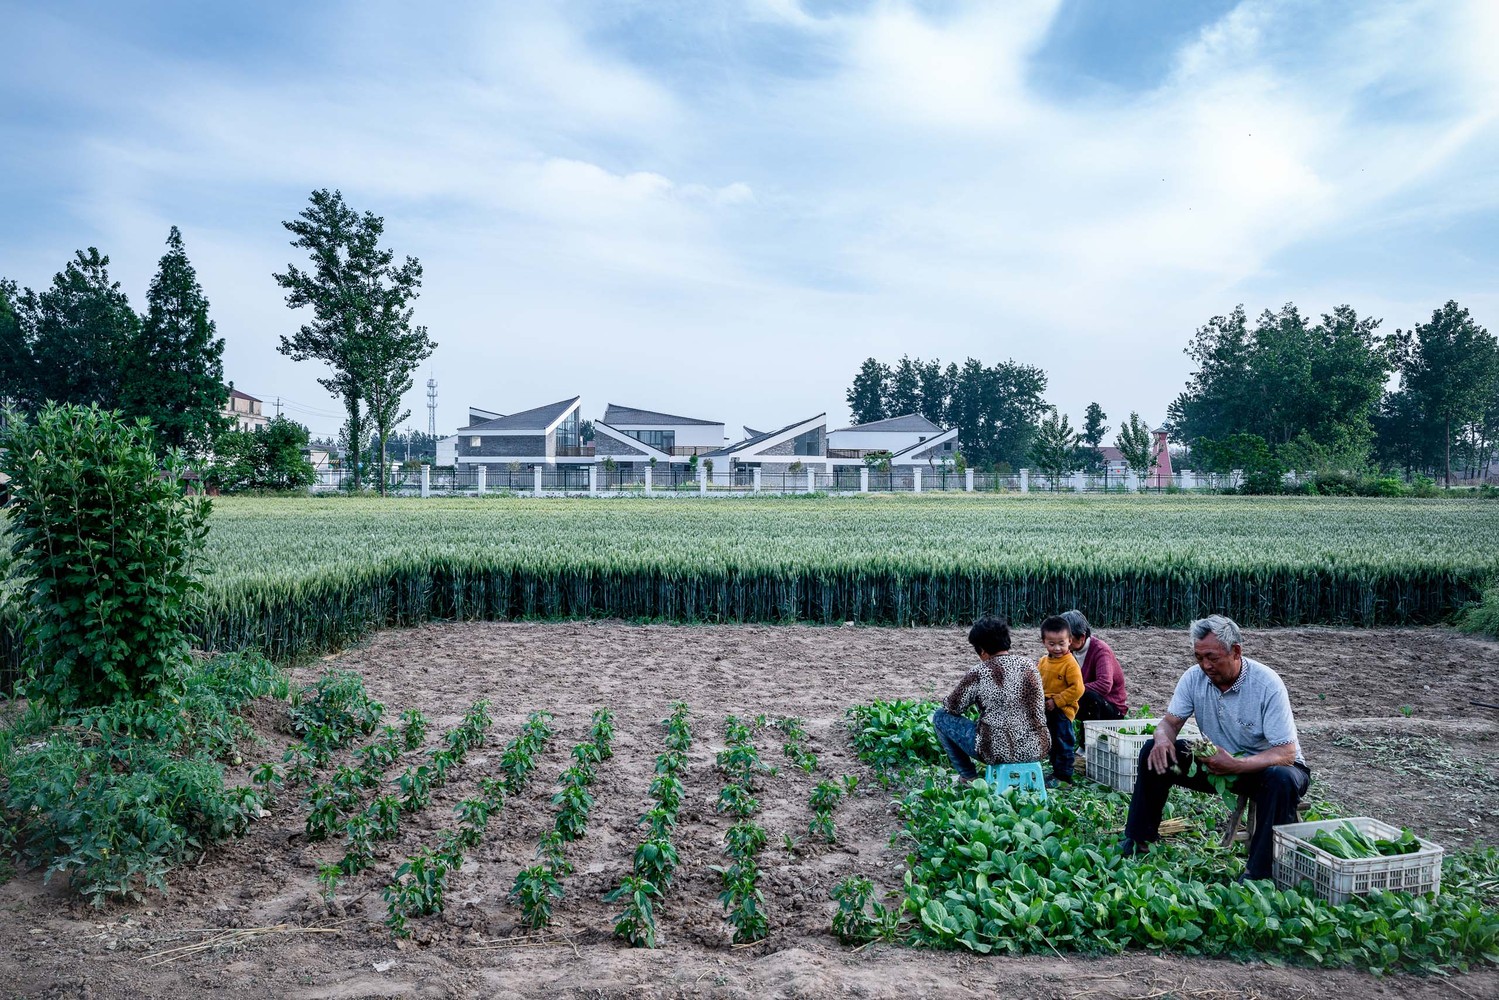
[1094,427]
[1286,380]
[392,355]
[1054,449]
[934,391]
[905,388]
[1136,443]
[17,379]
[79,332]
[360,301]
[866,397]
[174,374]
[1091,437]
[1448,368]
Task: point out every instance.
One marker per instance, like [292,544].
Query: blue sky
[720,209]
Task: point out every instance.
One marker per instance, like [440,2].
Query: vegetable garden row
[296,577]
[984,872]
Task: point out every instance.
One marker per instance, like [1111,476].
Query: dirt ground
[1386,719]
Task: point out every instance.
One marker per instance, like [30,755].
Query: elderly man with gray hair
[1242,706]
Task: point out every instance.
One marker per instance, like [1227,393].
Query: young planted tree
[1054,449]
[174,375]
[391,356]
[1137,445]
[1092,434]
[361,312]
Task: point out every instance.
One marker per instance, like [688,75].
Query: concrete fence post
[647,480]
[1078,482]
[536,480]
[593,480]
[756,471]
[426,481]
[702,481]
[915,479]
[1025,480]
[864,480]
[1132,481]
[480,482]
[811,482]
[968,480]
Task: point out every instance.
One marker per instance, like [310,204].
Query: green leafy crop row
[537,886]
[655,858]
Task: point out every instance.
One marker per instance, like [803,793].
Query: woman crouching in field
[1012,709]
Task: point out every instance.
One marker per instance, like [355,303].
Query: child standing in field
[1062,683]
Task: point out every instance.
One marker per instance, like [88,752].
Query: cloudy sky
[720,208]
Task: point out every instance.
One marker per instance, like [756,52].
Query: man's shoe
[1052,782]
[1131,848]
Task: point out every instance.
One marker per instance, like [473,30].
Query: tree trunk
[383,476]
[356,426]
[1447,465]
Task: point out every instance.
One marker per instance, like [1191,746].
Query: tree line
[1334,395]
[1330,395]
[79,342]
[1000,412]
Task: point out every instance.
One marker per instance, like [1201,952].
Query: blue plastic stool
[1028,777]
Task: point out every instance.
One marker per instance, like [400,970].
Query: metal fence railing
[682,478]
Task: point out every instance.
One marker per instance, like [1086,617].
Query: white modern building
[896,435]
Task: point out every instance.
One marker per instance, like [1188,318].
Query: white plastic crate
[1112,758]
[1337,880]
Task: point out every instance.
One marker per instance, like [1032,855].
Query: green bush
[112,797]
[1483,617]
[104,541]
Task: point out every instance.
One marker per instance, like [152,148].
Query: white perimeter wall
[447,450]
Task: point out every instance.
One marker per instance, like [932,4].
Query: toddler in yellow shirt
[1062,683]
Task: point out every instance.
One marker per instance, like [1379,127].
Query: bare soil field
[1387,721]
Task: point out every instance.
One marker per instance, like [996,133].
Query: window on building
[570,434]
[660,440]
[473,442]
[947,446]
[809,443]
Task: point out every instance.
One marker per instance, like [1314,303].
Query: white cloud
[879,180]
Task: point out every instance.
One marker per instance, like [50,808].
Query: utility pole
[278,406]
[432,414]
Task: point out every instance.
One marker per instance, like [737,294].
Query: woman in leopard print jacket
[1012,708]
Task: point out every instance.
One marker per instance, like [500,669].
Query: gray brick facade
[605,445]
[507,445]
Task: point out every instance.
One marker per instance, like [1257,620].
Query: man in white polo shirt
[1242,706]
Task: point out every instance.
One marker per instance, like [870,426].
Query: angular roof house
[908,438]
[655,434]
[549,434]
[806,440]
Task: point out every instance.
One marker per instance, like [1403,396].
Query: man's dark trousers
[1274,792]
